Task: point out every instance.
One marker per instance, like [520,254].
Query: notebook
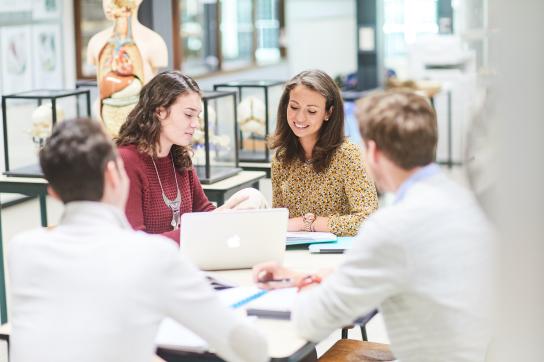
[342,244]
[271,304]
[303,237]
[233,239]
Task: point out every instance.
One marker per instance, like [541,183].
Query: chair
[348,350]
[362,323]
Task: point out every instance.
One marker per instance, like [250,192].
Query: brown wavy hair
[143,126]
[331,133]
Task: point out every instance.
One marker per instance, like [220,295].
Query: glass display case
[28,118]
[257,111]
[92,86]
[215,155]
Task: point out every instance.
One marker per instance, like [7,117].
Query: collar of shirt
[421,174]
[93,213]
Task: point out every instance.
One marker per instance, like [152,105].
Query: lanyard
[422,174]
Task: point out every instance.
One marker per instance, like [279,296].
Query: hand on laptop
[271,275]
[245,199]
[232,202]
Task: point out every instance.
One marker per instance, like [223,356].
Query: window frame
[178,50]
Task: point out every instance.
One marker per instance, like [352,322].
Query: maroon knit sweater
[145,208]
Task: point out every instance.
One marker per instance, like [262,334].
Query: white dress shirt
[92,289]
[424,261]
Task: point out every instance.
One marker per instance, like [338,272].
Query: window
[404,22]
[198,38]
[90,17]
[267,26]
[236,33]
[218,35]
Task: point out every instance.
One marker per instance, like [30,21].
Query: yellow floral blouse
[343,192]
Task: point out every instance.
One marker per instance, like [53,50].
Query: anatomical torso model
[126,57]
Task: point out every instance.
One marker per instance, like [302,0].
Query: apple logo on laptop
[233,241]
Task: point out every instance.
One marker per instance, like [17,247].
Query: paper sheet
[171,334]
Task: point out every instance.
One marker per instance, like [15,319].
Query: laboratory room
[271,180]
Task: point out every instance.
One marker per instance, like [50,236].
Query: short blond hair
[402,124]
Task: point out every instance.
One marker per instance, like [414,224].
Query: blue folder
[302,240]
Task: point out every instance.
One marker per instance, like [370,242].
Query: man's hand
[271,275]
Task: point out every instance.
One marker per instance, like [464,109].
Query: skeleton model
[42,123]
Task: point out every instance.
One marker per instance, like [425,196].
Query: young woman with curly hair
[154,144]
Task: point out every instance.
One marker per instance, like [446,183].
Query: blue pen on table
[259,293]
[249,299]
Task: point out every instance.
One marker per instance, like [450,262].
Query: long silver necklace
[175,204]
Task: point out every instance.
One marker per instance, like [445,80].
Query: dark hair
[74,158]
[403,125]
[331,133]
[143,127]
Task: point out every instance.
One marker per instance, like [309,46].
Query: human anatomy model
[127,55]
[42,123]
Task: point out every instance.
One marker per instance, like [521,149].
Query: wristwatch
[308,220]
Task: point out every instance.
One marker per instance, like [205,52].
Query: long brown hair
[331,133]
[143,126]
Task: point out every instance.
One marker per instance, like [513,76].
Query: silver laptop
[234,239]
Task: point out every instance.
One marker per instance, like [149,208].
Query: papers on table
[303,237]
[275,304]
[173,335]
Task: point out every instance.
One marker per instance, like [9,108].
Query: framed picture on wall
[12,6]
[46,9]
[47,59]
[16,46]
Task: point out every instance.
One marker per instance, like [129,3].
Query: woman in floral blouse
[317,173]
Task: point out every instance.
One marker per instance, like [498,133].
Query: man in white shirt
[422,260]
[91,288]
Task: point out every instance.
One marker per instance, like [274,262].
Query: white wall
[321,34]
[69,39]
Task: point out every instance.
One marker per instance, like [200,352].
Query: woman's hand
[245,199]
[232,202]
[271,275]
[320,224]
[295,224]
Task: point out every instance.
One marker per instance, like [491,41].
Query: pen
[281,280]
